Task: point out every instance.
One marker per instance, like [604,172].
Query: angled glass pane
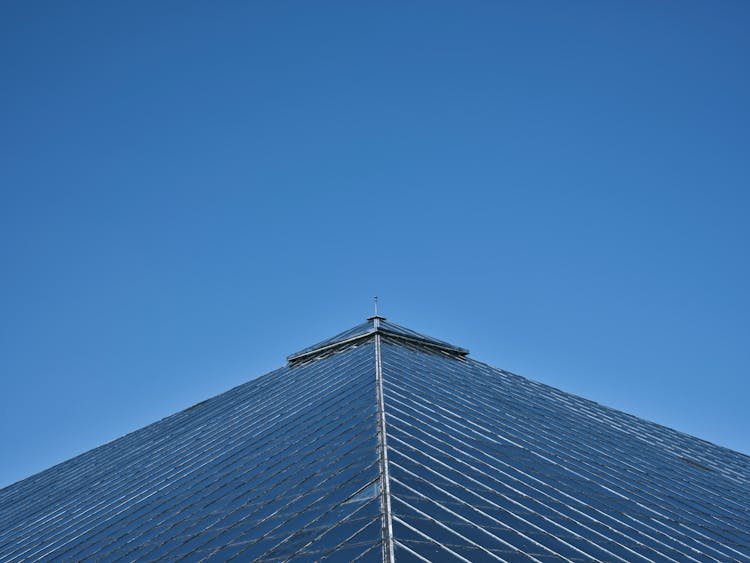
[506,464]
[275,465]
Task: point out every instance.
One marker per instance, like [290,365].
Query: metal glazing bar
[385,487]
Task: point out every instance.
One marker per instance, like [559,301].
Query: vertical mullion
[385,489]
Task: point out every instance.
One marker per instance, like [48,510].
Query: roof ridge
[385,479]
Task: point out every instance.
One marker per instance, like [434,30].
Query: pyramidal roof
[383,444]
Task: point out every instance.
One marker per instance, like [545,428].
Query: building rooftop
[383,444]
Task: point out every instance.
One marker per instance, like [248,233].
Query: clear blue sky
[192,191]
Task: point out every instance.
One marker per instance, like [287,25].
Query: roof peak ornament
[376,318]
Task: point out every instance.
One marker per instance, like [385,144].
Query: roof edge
[309,353]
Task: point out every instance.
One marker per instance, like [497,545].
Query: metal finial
[376,318]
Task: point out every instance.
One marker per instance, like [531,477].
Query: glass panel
[276,454]
[474,447]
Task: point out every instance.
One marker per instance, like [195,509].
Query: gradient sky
[191,191]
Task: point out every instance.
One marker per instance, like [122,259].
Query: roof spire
[376,318]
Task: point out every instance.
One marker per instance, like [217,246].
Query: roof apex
[375,324]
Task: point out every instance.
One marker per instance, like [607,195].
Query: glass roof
[285,466]
[348,335]
[464,462]
[392,329]
[485,464]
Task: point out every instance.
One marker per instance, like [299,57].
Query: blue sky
[191,191]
